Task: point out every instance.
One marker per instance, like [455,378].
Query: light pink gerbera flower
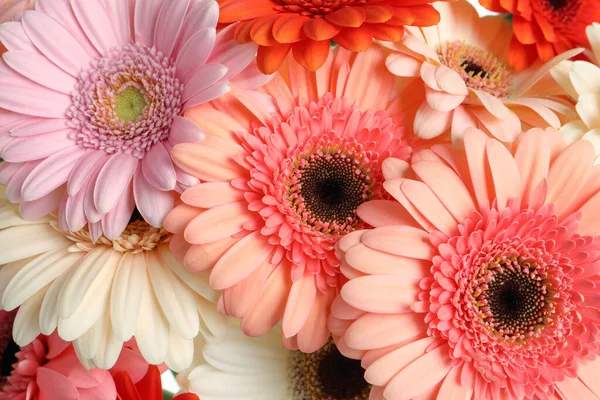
[491,291]
[48,368]
[283,174]
[461,78]
[94,92]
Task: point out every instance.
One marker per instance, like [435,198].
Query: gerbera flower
[462,79]
[101,294]
[48,368]
[149,388]
[306,26]
[283,173]
[94,94]
[544,28]
[490,292]
[581,81]
[234,366]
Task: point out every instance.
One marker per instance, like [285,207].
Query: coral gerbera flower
[490,293]
[283,174]
[101,294]
[462,79]
[148,388]
[263,368]
[94,94]
[306,26]
[545,28]
[48,368]
[581,81]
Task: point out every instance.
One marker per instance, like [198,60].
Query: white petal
[25,241]
[49,310]
[181,352]
[126,295]
[26,326]
[152,332]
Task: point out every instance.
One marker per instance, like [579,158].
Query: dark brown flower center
[327,375]
[9,357]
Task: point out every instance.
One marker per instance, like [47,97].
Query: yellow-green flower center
[129,104]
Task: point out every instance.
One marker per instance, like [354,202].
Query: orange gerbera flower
[307,26]
[544,28]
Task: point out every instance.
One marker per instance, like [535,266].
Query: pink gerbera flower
[48,368]
[491,291]
[283,173]
[94,92]
[460,77]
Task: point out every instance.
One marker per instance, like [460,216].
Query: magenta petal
[153,204]
[184,130]
[195,52]
[115,222]
[39,69]
[96,24]
[53,385]
[158,168]
[113,179]
[32,210]
[51,173]
[168,24]
[51,38]
[206,76]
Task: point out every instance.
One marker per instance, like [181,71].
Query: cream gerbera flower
[101,294]
[581,80]
[235,366]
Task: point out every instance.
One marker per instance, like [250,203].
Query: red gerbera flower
[306,26]
[544,28]
[149,388]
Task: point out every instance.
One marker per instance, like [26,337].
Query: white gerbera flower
[235,366]
[102,294]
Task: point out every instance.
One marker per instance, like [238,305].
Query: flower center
[9,357]
[327,375]
[129,104]
[327,187]
[479,69]
[569,17]
[316,7]
[125,101]
[557,4]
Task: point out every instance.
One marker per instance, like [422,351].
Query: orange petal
[425,15]
[288,28]
[524,30]
[262,31]
[318,29]
[388,33]
[378,13]
[354,39]
[509,5]
[242,10]
[351,17]
[310,54]
[545,50]
[492,5]
[402,16]
[270,58]
[242,31]
[546,28]
[521,56]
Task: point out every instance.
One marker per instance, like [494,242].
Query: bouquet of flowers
[300,199]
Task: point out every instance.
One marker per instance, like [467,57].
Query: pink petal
[384,294]
[115,221]
[158,168]
[211,93]
[115,176]
[426,202]
[449,81]
[37,147]
[475,145]
[51,38]
[201,257]
[168,24]
[53,385]
[372,262]
[194,54]
[428,76]
[39,69]
[461,120]
[51,173]
[404,65]
[120,13]
[505,173]
[83,170]
[184,130]
[384,212]
[73,210]
[299,304]
[202,14]
[442,101]
[7,171]
[240,260]
[251,78]
[153,204]
[400,240]
[14,38]
[231,54]
[62,11]
[212,194]
[38,126]
[13,189]
[375,331]
[97,25]
[32,210]
[206,163]
[314,333]
[106,390]
[218,223]
[144,20]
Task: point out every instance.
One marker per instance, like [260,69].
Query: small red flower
[149,388]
